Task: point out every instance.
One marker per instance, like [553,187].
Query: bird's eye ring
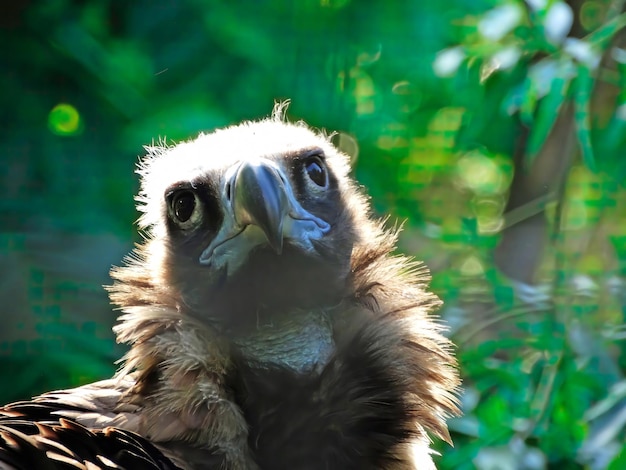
[183,207]
[316,171]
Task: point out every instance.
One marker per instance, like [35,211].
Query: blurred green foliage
[495,129]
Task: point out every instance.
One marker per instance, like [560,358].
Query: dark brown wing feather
[31,437]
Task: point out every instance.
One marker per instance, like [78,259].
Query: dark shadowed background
[494,129]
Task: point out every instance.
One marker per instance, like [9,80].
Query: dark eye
[316,171]
[183,204]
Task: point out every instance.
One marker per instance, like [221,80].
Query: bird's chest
[301,343]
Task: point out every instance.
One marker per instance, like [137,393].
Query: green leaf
[603,35]
[529,103]
[582,117]
[548,111]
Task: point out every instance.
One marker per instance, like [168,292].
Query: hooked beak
[259,197]
[260,207]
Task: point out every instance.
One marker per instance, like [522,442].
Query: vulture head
[269,324]
[251,222]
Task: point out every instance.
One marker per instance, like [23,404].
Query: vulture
[269,324]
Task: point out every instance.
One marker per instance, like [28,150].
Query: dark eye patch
[302,169]
[316,170]
[185,197]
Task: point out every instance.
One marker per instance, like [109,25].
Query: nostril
[229,191]
[282,178]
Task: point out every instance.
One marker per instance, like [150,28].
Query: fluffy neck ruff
[191,359]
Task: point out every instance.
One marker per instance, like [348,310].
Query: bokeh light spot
[403,87]
[591,14]
[488,212]
[64,119]
[481,174]
[471,266]
[348,145]
[369,56]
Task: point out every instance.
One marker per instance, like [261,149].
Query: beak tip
[277,244]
